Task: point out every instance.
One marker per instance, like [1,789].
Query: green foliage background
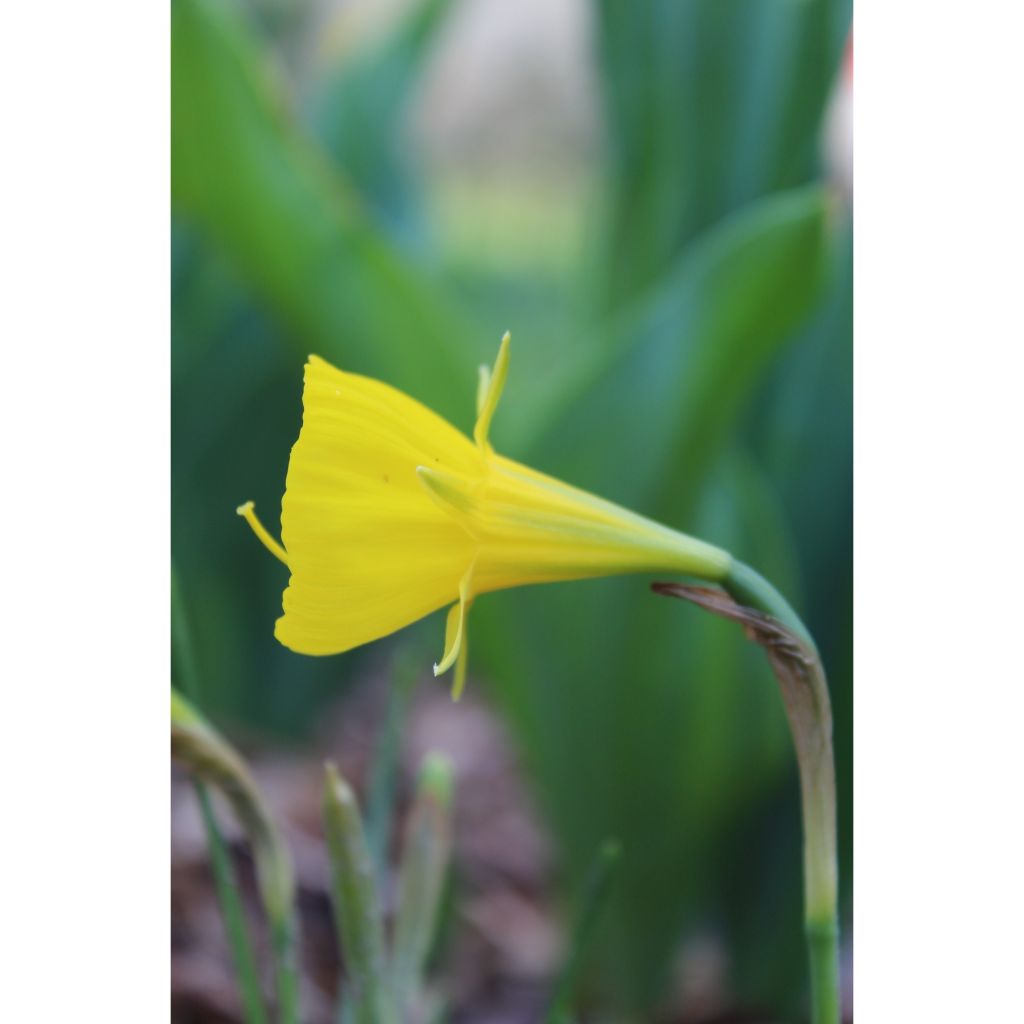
[690,358]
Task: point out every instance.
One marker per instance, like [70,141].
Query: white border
[85,100]
[938,512]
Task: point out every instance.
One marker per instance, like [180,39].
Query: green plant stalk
[805,694]
[356,906]
[233,913]
[595,896]
[200,748]
[752,590]
[224,878]
[421,878]
[284,939]
[384,766]
[770,621]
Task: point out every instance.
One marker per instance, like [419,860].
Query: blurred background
[654,197]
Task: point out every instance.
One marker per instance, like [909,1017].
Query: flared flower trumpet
[390,513]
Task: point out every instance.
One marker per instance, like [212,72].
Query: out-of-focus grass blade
[690,351]
[384,766]
[297,232]
[709,106]
[356,904]
[232,911]
[225,881]
[186,668]
[595,894]
[358,112]
[421,878]
[203,751]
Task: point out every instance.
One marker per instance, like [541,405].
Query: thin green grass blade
[356,904]
[233,913]
[205,753]
[284,937]
[384,766]
[595,895]
[182,647]
[709,106]
[225,880]
[421,879]
[359,113]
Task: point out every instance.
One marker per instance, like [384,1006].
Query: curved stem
[823,952]
[801,677]
[769,620]
[752,590]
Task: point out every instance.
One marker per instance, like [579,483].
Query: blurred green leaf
[709,105]
[358,113]
[298,233]
[356,903]
[680,363]
[424,867]
[229,899]
[592,901]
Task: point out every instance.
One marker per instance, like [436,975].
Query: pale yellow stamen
[453,493]
[488,396]
[483,385]
[455,639]
[459,682]
[248,513]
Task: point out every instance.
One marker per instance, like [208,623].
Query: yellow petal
[369,550]
[487,402]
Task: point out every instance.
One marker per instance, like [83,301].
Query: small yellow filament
[248,513]
[489,389]
[456,641]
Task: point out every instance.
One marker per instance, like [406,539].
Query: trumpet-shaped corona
[390,513]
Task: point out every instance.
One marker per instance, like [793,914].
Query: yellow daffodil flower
[390,513]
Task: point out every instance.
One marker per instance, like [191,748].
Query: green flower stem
[823,950]
[356,906]
[769,620]
[801,676]
[201,749]
[421,878]
[752,590]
